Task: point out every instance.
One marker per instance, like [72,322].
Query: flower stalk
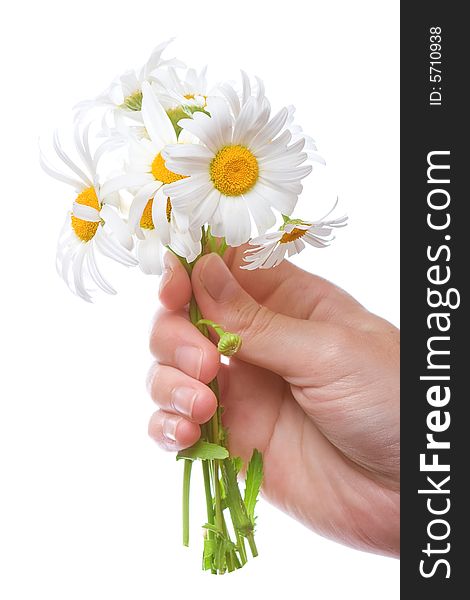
[221,553]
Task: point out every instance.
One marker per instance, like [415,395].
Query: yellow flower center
[161,173]
[134,101]
[168,210]
[146,220]
[86,230]
[190,96]
[295,234]
[234,170]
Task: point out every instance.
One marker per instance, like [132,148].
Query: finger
[175,286]
[172,432]
[175,342]
[175,392]
[291,291]
[283,344]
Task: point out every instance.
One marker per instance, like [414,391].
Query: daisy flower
[174,91]
[92,225]
[242,168]
[125,93]
[150,215]
[271,248]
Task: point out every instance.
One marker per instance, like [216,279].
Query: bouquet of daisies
[196,170]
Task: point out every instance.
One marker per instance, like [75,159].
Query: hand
[315,387]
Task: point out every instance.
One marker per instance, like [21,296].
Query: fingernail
[167,272]
[217,279]
[189,360]
[182,400]
[169,427]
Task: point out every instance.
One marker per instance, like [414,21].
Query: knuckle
[155,426]
[341,343]
[154,379]
[156,331]
[255,320]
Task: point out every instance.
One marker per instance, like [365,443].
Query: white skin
[315,387]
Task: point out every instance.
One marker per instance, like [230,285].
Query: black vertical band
[435,266]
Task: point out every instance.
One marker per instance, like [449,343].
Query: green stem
[241,548]
[219,519]
[253,548]
[207,489]
[213,431]
[186,485]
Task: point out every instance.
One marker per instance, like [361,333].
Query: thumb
[293,348]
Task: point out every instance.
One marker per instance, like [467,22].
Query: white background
[90,508]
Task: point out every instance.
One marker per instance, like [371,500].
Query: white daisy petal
[277,146]
[261,90]
[243,123]
[118,227]
[155,58]
[75,183]
[139,203]
[187,245]
[113,249]
[276,257]
[200,126]
[156,121]
[299,246]
[283,201]
[203,212]
[188,192]
[149,254]
[260,210]
[82,144]
[86,213]
[287,176]
[187,159]
[68,161]
[232,98]
[269,131]
[235,219]
[131,180]
[77,269]
[129,83]
[246,87]
[160,217]
[96,274]
[186,137]
[222,120]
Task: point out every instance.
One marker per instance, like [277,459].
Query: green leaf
[209,549]
[212,528]
[254,478]
[237,464]
[204,451]
[219,554]
[240,519]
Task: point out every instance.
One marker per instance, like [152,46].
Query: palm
[313,387]
[319,461]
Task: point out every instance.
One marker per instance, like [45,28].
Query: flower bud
[229,344]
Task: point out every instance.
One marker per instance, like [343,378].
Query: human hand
[315,387]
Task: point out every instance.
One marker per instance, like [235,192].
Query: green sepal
[182,112]
[204,451]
